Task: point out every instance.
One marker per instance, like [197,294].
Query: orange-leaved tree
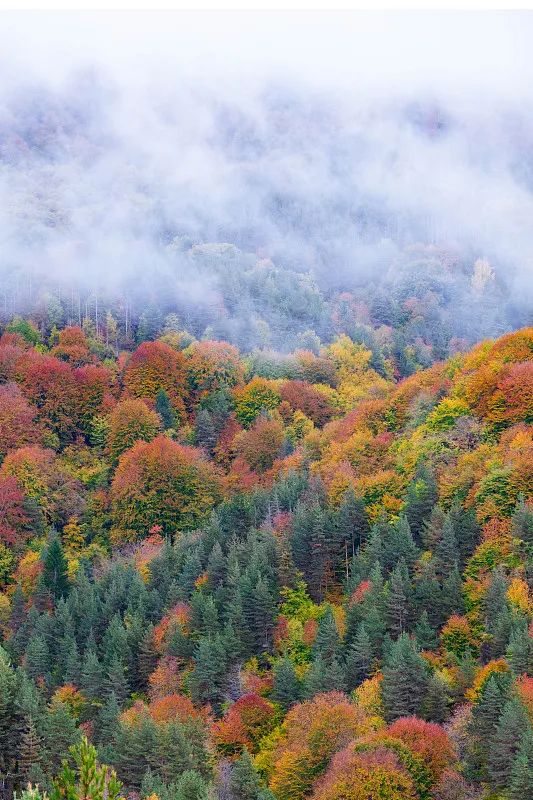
[154,366]
[162,483]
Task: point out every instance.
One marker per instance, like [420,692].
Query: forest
[285,562]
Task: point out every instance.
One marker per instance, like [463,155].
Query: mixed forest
[299,570]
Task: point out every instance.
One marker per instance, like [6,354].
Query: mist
[155,159]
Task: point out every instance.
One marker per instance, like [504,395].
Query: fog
[327,143]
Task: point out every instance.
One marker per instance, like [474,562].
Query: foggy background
[232,167]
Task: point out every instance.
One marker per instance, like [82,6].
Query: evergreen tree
[60,733]
[399,544]
[522,521]
[37,659]
[520,649]
[107,726]
[467,531]
[245,783]
[452,593]
[327,637]
[116,682]
[90,780]
[447,551]
[207,679]
[164,409]
[92,677]
[286,689]
[485,717]
[521,772]
[512,726]
[359,658]
[191,786]
[147,656]
[263,615]
[352,527]
[405,679]
[205,433]
[425,634]
[420,498]
[71,661]
[427,596]
[31,748]
[54,573]
[397,607]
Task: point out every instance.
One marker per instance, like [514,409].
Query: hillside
[262,575]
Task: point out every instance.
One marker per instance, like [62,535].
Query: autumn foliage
[162,483]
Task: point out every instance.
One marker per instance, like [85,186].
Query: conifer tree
[520,649]
[60,733]
[446,551]
[245,783]
[400,544]
[286,689]
[397,607]
[92,676]
[521,772]
[263,615]
[452,593]
[327,638]
[55,569]
[207,679]
[164,409]
[115,681]
[513,725]
[405,679]
[359,658]
[30,752]
[420,498]
[522,521]
[37,658]
[425,633]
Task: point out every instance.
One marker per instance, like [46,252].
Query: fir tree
[55,569]
[164,409]
[521,772]
[263,615]
[31,748]
[92,677]
[520,649]
[446,552]
[60,733]
[327,638]
[522,521]
[397,608]
[359,658]
[245,783]
[420,498]
[425,634]
[207,679]
[286,690]
[115,681]
[37,659]
[512,726]
[405,680]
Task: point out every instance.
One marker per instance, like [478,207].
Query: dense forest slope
[266,576]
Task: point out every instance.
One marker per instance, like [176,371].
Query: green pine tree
[245,783]
[55,569]
[164,409]
[359,658]
[287,689]
[505,744]
[521,773]
[405,679]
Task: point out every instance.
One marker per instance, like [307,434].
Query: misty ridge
[267,218]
